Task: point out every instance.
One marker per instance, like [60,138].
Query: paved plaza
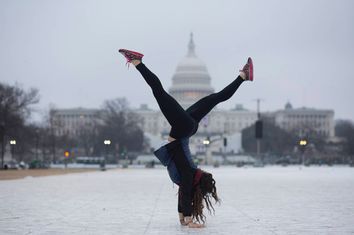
[269,200]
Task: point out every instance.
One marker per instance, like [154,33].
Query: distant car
[258,164]
[36,164]
[150,164]
[22,165]
[11,165]
[283,161]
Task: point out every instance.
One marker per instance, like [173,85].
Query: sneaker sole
[129,51]
[250,74]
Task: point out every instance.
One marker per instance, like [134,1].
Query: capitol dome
[191,80]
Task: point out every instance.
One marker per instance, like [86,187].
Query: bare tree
[15,107]
[120,125]
[275,140]
[87,137]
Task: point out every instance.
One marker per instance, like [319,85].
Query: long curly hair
[204,190]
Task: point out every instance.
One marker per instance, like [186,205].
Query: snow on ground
[270,200]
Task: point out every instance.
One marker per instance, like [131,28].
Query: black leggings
[184,123]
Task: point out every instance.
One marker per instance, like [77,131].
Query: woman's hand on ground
[183,222]
[189,221]
[195,225]
[181,219]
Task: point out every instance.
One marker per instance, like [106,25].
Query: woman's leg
[206,104]
[181,122]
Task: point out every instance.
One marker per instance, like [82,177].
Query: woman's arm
[186,181]
[185,191]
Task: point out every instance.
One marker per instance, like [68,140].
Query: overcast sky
[303,50]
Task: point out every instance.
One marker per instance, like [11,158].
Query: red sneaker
[131,55]
[248,69]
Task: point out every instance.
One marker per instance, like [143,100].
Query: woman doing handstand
[195,185]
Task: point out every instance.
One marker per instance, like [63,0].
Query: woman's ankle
[135,62]
[170,139]
[243,75]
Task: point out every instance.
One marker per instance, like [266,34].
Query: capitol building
[191,82]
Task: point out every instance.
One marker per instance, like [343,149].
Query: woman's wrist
[181,216]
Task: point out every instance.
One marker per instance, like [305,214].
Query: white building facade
[73,121]
[303,121]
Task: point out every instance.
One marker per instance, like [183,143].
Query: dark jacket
[165,154]
[182,171]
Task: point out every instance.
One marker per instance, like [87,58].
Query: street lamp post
[13,144]
[208,155]
[37,143]
[207,143]
[106,144]
[259,131]
[2,139]
[302,143]
[66,155]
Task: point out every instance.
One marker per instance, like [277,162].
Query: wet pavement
[269,200]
